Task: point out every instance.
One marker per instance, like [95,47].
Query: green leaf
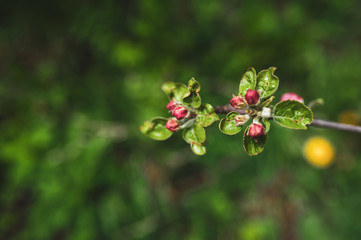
[195,136]
[313,103]
[292,114]
[253,146]
[156,129]
[267,102]
[168,88]
[228,124]
[248,81]
[206,115]
[196,133]
[192,98]
[198,148]
[267,125]
[175,91]
[193,85]
[267,83]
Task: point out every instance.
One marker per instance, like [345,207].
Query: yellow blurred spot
[319,152]
[349,117]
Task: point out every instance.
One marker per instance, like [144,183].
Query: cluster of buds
[250,99]
[179,112]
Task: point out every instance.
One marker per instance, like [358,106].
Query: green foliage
[198,149]
[248,81]
[228,125]
[267,102]
[267,124]
[175,91]
[196,133]
[292,114]
[192,97]
[267,83]
[206,115]
[155,129]
[194,86]
[199,116]
[195,136]
[253,146]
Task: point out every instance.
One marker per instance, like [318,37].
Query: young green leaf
[292,114]
[253,146]
[192,98]
[195,136]
[156,129]
[267,83]
[267,124]
[228,125]
[175,91]
[196,133]
[248,81]
[206,115]
[193,85]
[267,102]
[198,148]
[315,102]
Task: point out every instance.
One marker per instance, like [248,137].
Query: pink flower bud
[255,130]
[241,119]
[172,124]
[237,102]
[291,96]
[180,112]
[171,105]
[252,97]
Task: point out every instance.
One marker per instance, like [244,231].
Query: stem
[315,123]
[339,126]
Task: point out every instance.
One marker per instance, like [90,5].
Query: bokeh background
[78,78]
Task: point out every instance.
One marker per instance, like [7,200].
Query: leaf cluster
[290,114]
[201,116]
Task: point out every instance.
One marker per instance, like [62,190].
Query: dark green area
[78,78]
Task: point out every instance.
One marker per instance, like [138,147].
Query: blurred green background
[78,78]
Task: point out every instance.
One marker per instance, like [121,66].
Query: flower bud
[255,130]
[266,112]
[291,96]
[237,102]
[241,119]
[172,124]
[180,112]
[171,105]
[252,97]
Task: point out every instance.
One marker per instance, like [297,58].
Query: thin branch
[226,109]
[315,123]
[339,126]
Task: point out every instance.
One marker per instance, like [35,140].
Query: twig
[339,126]
[315,123]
